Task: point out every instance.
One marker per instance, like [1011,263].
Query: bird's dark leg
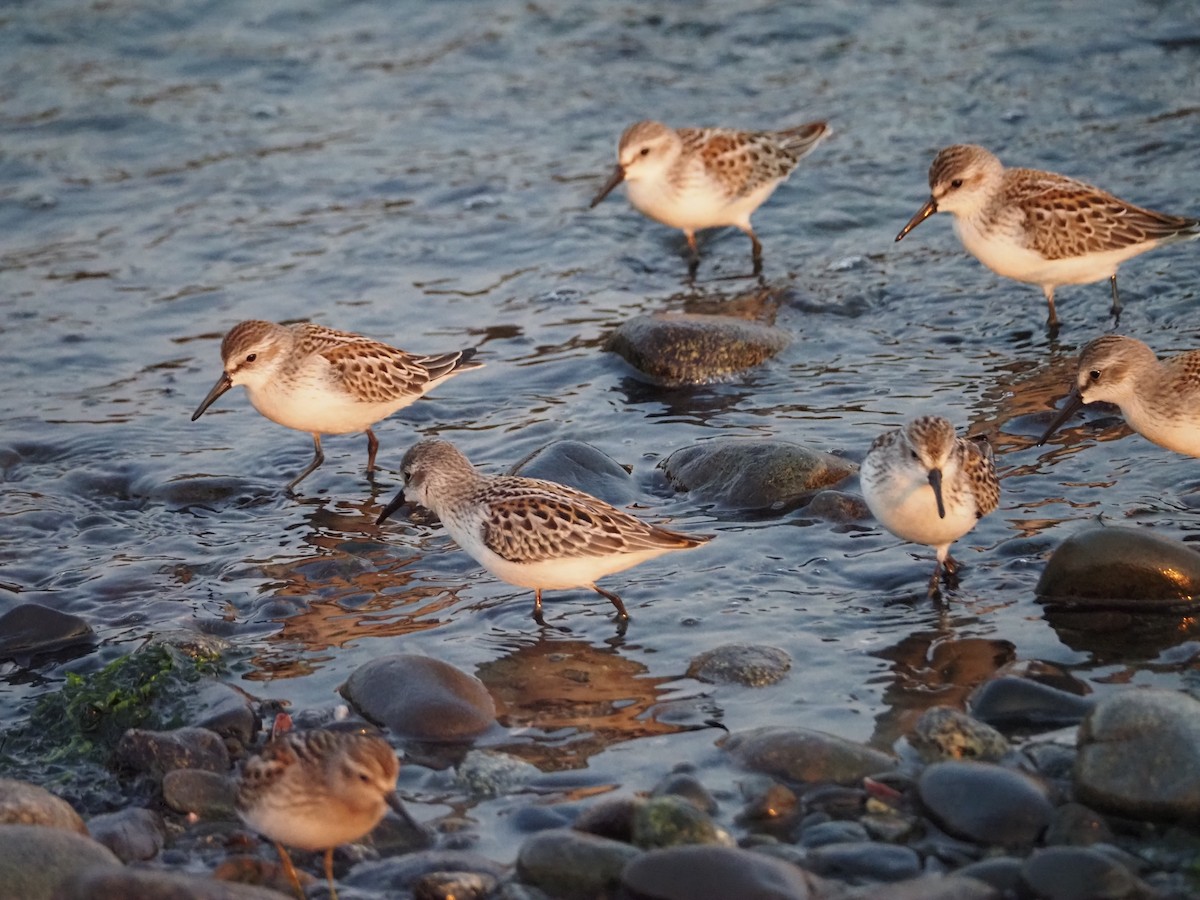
[755,252]
[622,616]
[318,458]
[372,449]
[537,607]
[693,254]
[1116,307]
[1052,322]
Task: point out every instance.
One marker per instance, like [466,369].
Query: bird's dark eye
[364,777]
[1094,374]
[645,151]
[251,357]
[407,476]
[956,183]
[913,454]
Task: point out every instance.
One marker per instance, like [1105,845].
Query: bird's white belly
[320,411]
[908,509]
[1004,256]
[555,574]
[699,206]
[1179,434]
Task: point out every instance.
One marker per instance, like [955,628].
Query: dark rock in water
[22,803]
[159,752]
[1078,873]
[837,506]
[668,821]
[799,754]
[1001,872]
[36,862]
[1121,566]
[31,628]
[1139,752]
[148,884]
[689,787]
[1076,825]
[681,349]
[133,834]
[572,865]
[716,873]
[932,887]
[1012,702]
[218,707]
[844,831]
[404,873]
[490,773]
[859,862]
[210,795]
[747,473]
[454,886]
[985,803]
[944,733]
[610,818]
[580,466]
[421,698]
[749,665]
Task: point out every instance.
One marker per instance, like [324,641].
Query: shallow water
[420,173]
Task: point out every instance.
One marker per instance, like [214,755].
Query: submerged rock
[421,698]
[1124,566]
[32,628]
[749,665]
[1079,873]
[716,873]
[753,474]
[36,862]
[1139,752]
[1012,702]
[985,803]
[668,820]
[680,349]
[580,466]
[572,865]
[133,834]
[800,754]
[159,752]
[22,803]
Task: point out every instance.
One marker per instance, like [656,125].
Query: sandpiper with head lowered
[530,532]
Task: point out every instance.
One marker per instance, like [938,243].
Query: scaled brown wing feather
[540,526]
[383,373]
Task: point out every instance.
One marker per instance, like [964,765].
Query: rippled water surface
[420,172]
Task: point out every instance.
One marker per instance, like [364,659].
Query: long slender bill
[223,384]
[397,502]
[1074,401]
[923,213]
[616,178]
[935,482]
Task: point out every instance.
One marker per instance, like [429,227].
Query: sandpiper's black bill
[935,482]
[923,213]
[397,502]
[616,178]
[394,801]
[1074,401]
[223,384]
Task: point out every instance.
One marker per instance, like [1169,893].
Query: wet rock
[680,349]
[1078,873]
[985,803]
[571,865]
[209,795]
[1126,565]
[220,708]
[931,887]
[402,873]
[747,473]
[31,628]
[1011,702]
[769,803]
[837,506]
[716,873]
[687,786]
[581,466]
[1001,872]
[133,834]
[857,862]
[611,818]
[1158,729]
[36,861]
[454,886]
[22,803]
[490,773]
[798,754]
[1075,824]
[945,733]
[159,752]
[148,884]
[421,698]
[749,665]
[845,831]
[668,821]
